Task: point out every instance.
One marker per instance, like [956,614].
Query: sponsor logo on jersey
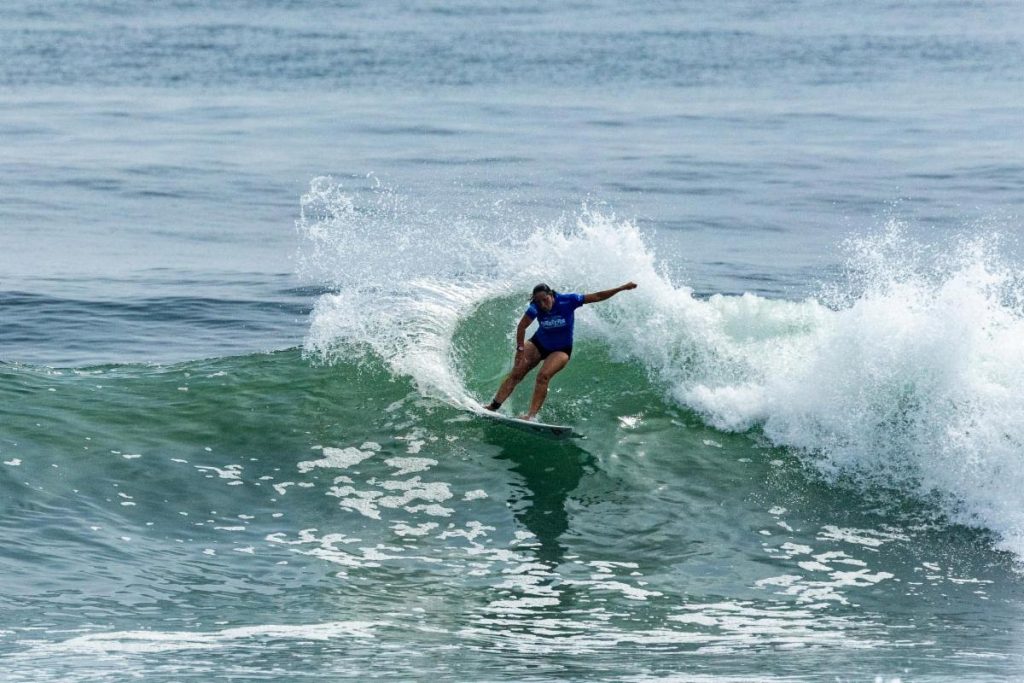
[555,321]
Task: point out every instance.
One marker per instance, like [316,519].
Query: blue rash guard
[555,331]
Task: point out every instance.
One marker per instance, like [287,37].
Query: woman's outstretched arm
[594,297]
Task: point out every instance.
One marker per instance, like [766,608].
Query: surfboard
[539,428]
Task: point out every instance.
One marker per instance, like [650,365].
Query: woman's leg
[525,361]
[552,365]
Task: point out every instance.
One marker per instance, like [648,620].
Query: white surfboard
[532,426]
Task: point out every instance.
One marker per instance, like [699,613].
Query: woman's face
[544,301]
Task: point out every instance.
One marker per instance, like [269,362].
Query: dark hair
[541,288]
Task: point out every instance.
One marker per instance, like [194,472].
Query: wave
[913,383]
[904,375]
[65,331]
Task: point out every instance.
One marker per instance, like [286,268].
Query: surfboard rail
[531,426]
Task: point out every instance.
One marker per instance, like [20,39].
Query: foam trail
[411,330]
[402,282]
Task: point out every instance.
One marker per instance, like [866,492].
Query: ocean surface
[259,260]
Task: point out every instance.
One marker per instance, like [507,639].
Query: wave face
[904,376]
[830,477]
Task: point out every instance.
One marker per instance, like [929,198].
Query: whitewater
[902,377]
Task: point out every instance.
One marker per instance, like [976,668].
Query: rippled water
[257,262]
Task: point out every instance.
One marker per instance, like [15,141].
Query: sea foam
[905,374]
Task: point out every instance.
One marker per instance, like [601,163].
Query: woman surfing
[552,343]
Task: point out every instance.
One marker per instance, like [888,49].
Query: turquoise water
[258,263]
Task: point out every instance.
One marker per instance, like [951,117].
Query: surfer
[552,343]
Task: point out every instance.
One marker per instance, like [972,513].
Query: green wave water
[272,513]
[766,489]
